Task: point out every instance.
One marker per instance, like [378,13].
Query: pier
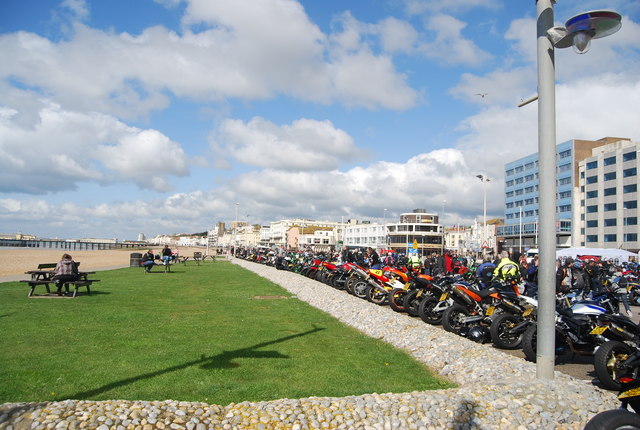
[71,245]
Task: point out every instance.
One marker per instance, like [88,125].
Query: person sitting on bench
[66,271]
[148,260]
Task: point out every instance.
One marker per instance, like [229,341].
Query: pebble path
[496,390]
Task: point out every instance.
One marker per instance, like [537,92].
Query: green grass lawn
[196,334]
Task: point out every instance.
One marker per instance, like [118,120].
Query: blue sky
[157,117]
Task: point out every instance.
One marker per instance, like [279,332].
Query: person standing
[374,259]
[66,271]
[167,255]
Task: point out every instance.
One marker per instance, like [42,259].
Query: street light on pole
[484,180]
[384,211]
[578,32]
[235,230]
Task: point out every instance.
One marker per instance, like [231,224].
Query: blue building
[521,213]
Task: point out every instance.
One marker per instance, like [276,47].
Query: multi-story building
[608,198]
[416,231]
[522,195]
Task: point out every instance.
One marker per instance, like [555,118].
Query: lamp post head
[580,29]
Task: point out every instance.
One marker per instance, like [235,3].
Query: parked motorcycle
[620,355]
[621,418]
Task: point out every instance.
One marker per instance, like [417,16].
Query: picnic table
[43,275]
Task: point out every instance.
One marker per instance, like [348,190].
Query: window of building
[609,176]
[564,208]
[519,180]
[509,172]
[592,238]
[629,156]
[610,207]
[565,154]
[631,188]
[528,201]
[528,190]
[564,194]
[564,181]
[631,220]
[509,205]
[509,183]
[592,179]
[631,204]
[610,238]
[631,237]
[592,164]
[592,209]
[509,216]
[564,167]
[519,169]
[528,178]
[610,222]
[592,194]
[519,192]
[529,166]
[509,194]
[632,171]
[610,191]
[592,223]
[528,213]
[609,161]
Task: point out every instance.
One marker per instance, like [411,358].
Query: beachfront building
[416,231]
[520,229]
[607,198]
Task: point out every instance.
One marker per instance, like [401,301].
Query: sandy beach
[16,261]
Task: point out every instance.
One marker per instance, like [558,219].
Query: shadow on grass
[218,361]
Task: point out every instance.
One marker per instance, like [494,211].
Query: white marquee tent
[619,255]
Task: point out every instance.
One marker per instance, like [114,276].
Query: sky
[168,116]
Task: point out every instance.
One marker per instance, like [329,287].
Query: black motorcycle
[621,418]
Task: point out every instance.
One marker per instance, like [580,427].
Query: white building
[607,198]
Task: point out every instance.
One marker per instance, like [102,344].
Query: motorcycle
[572,331]
[620,355]
[507,328]
[621,418]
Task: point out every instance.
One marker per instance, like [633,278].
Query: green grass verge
[196,334]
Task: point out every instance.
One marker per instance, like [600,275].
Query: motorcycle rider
[506,268]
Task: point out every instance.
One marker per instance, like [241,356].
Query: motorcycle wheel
[451,318]
[411,303]
[607,360]
[425,310]
[529,342]
[338,282]
[396,299]
[634,296]
[614,419]
[500,334]
[351,280]
[377,295]
[360,289]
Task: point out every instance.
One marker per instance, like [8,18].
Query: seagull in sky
[481,94]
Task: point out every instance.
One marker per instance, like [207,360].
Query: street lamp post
[579,30]
[235,231]
[484,181]
[384,211]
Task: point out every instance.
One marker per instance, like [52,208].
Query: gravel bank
[497,391]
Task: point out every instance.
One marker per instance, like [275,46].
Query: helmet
[478,334]
[577,264]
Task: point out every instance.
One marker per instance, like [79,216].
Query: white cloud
[64,148]
[429,6]
[304,145]
[450,46]
[397,36]
[253,51]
